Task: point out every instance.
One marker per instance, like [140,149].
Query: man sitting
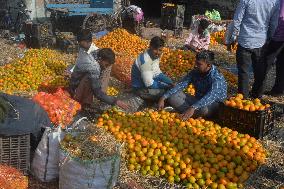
[147,79]
[86,79]
[199,38]
[210,87]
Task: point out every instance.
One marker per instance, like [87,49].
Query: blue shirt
[209,88]
[146,73]
[254,21]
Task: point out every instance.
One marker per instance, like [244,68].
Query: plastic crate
[171,22]
[176,10]
[256,124]
[15,152]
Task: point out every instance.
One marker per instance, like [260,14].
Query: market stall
[156,149]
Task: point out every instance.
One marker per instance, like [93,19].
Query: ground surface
[268,176]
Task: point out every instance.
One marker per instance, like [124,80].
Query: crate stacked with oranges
[218,38]
[196,153]
[239,102]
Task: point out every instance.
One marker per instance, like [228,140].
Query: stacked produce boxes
[172,16]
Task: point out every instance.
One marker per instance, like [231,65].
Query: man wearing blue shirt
[210,87]
[254,23]
[147,79]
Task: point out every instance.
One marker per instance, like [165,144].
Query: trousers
[246,57]
[275,51]
[84,93]
[150,94]
[181,102]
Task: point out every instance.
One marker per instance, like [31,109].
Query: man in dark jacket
[210,85]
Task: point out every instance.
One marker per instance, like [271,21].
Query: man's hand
[187,114]
[67,73]
[122,105]
[161,103]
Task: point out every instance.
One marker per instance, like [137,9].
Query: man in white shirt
[147,79]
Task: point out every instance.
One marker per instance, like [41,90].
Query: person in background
[199,38]
[254,20]
[210,87]
[132,19]
[85,82]
[275,49]
[147,79]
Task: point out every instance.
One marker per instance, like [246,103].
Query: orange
[252,108]
[182,176]
[240,96]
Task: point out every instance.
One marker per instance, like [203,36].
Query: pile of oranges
[28,73]
[231,79]
[60,107]
[54,83]
[219,37]
[122,69]
[126,47]
[11,178]
[177,63]
[123,43]
[248,105]
[196,153]
[190,90]
[111,91]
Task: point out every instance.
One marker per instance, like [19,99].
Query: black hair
[106,54]
[203,23]
[84,35]
[206,55]
[157,42]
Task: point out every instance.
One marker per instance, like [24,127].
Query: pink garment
[196,42]
[136,12]
[139,17]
